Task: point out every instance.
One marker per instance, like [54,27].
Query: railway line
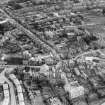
[30,34]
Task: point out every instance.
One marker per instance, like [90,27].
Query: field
[98,28]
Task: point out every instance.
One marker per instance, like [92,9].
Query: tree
[14,5]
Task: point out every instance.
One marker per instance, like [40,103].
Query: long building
[6,100]
[19,89]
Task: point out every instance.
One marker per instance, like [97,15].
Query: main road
[3,79]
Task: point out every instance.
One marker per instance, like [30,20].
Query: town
[52,52]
